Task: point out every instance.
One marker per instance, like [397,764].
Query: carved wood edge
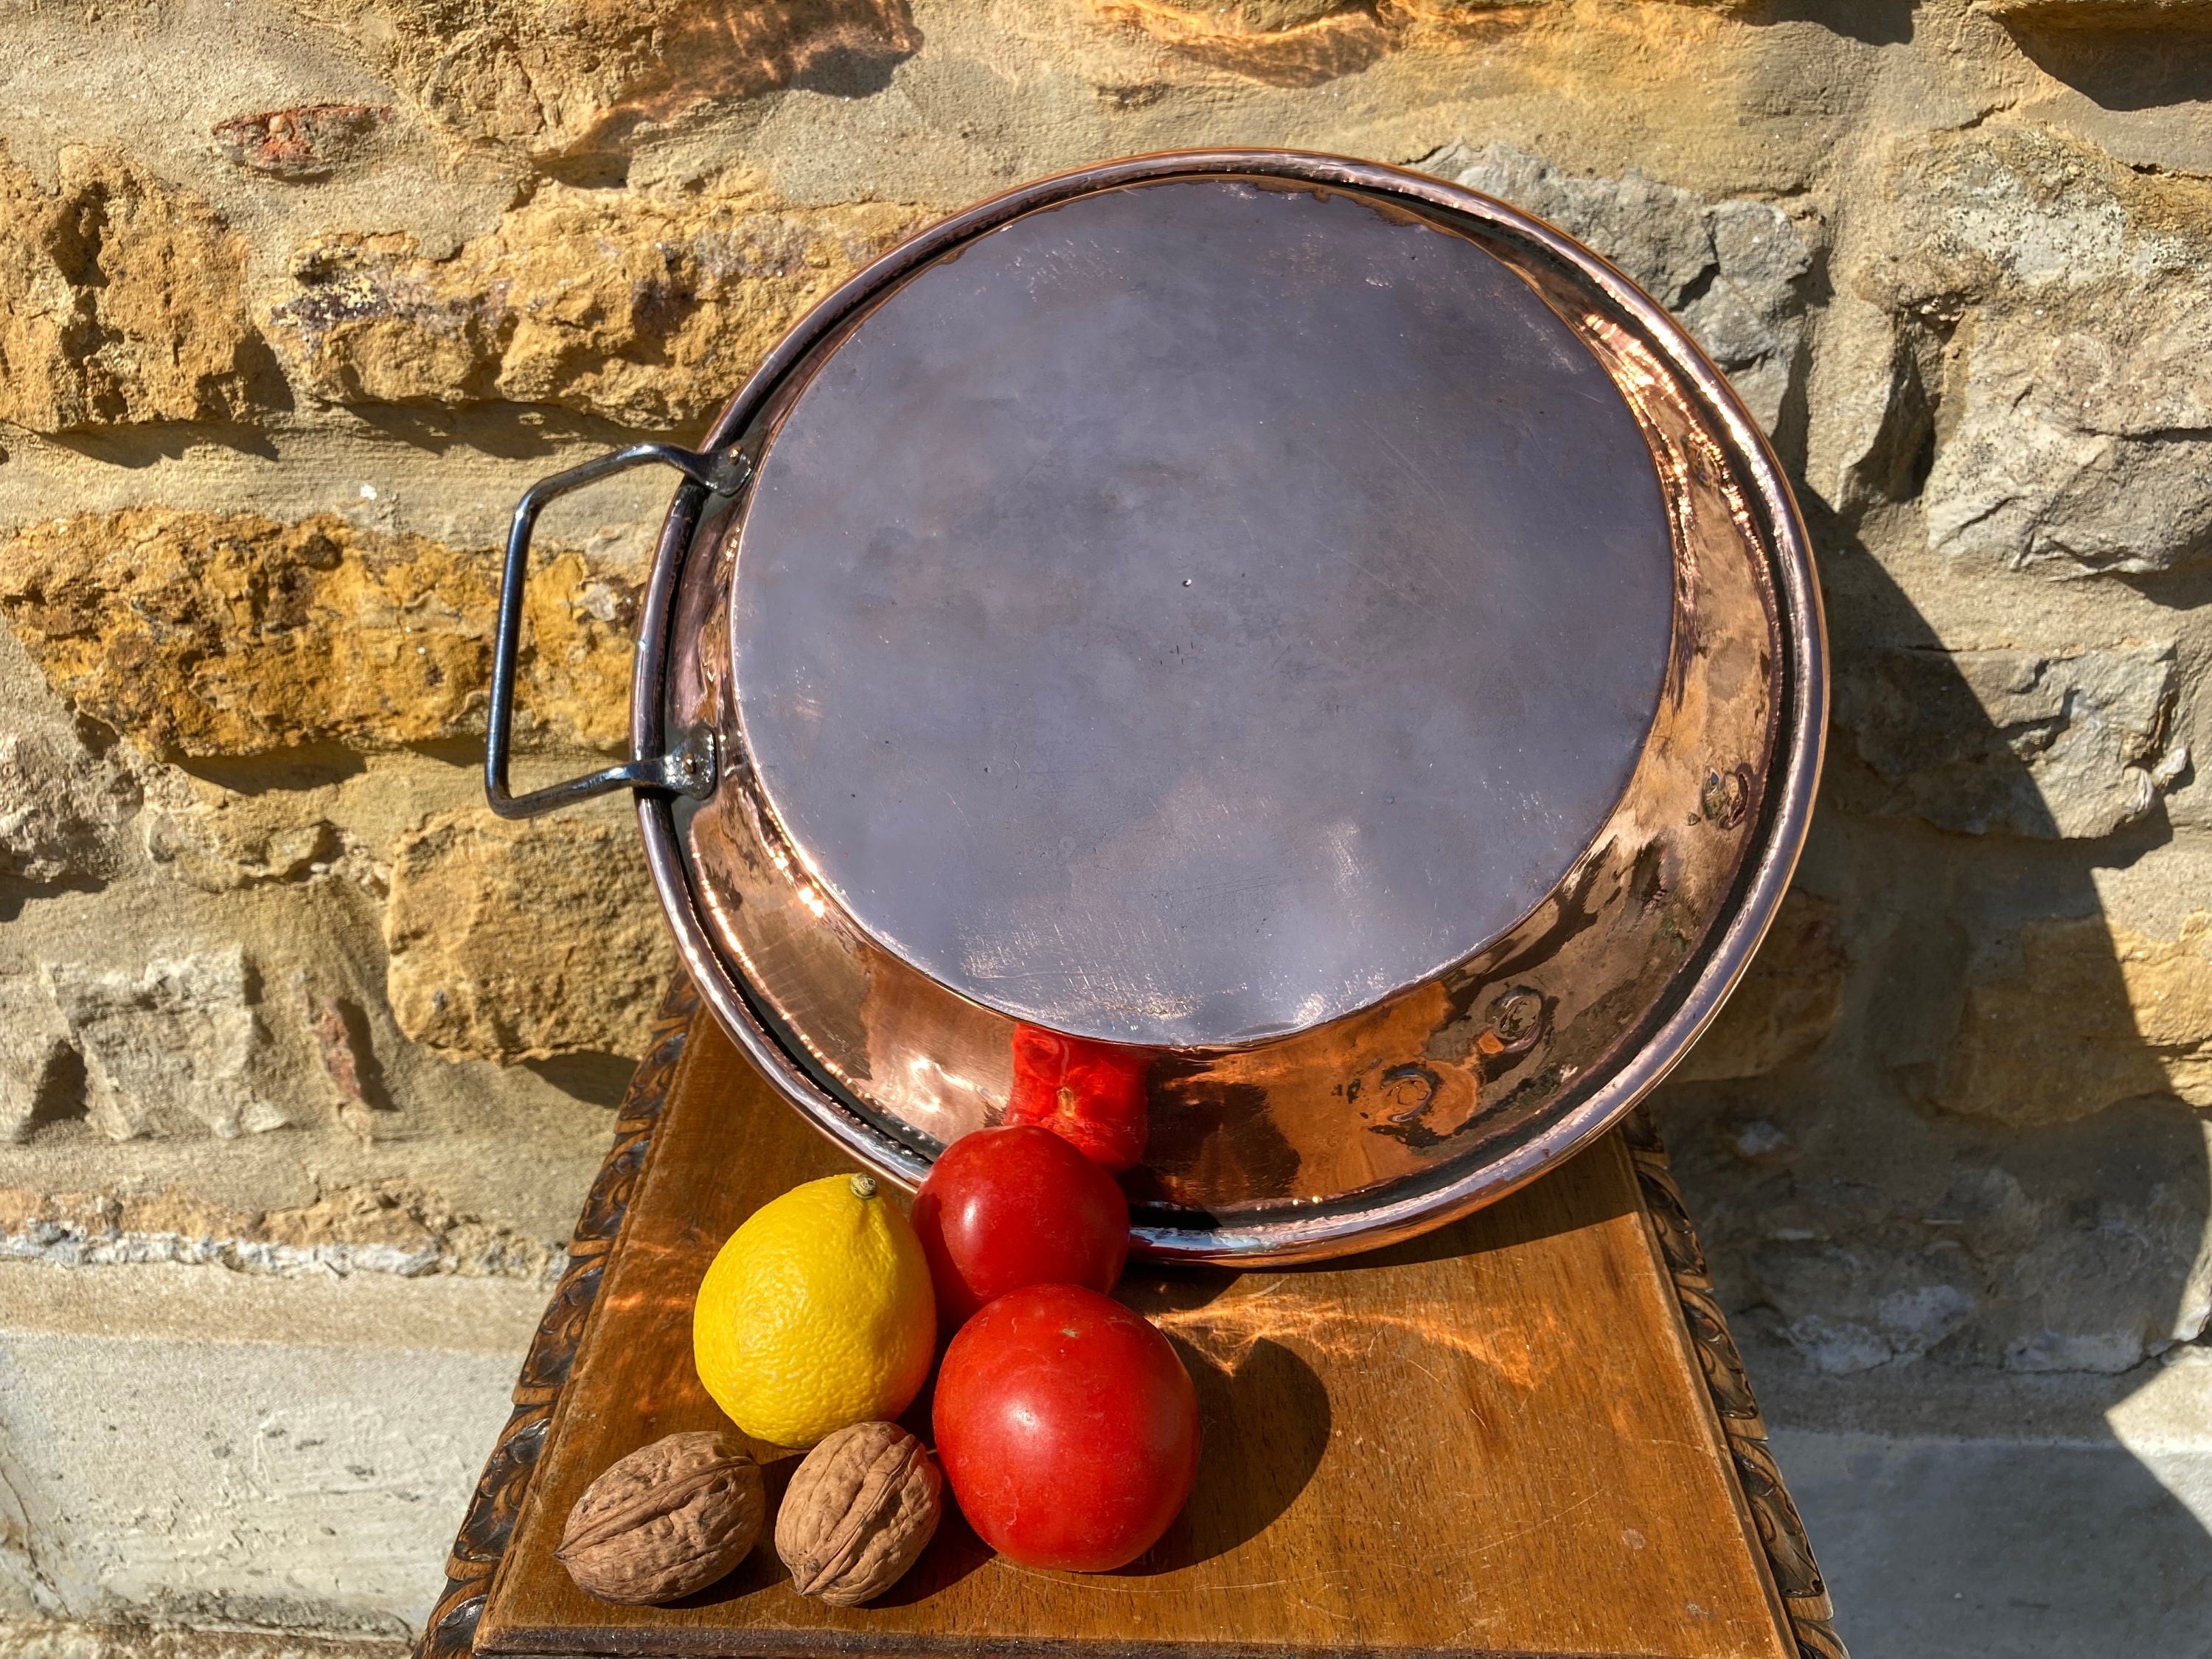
[488,1523]
[1789,1555]
[450,1632]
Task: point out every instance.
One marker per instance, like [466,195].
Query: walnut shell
[669,1519]
[859,1511]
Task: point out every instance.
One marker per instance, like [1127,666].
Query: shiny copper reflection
[1404,1114]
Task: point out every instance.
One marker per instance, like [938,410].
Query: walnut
[669,1519]
[859,1511]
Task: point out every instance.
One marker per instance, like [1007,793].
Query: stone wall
[296,296]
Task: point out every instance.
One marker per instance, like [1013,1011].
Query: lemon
[817,1314]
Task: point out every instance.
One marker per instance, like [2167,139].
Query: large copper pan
[1311,624]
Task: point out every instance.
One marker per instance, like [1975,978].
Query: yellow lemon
[817,1314]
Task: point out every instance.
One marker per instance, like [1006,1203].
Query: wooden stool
[1527,1434]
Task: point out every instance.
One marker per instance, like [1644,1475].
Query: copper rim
[1693,994]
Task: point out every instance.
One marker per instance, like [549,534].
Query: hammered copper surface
[1460,1085]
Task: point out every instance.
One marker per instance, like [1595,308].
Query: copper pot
[1309,625]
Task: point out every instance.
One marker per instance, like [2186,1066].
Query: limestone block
[1729,271]
[2101,14]
[381,1227]
[37,1061]
[59,808]
[1868,410]
[1889,1235]
[1304,42]
[183,1445]
[1789,1002]
[398,1227]
[649,308]
[1849,1308]
[2075,447]
[515,941]
[2089,1012]
[561,77]
[210,634]
[2011,742]
[180,1042]
[2092,1238]
[219,841]
[2071,297]
[2017,1526]
[121,298]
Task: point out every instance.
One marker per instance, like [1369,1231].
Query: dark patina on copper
[1294,616]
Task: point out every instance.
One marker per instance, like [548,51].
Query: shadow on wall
[1968,1224]
[1875,22]
[2154,65]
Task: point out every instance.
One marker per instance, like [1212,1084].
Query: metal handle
[688,768]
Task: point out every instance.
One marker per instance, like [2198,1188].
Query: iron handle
[688,769]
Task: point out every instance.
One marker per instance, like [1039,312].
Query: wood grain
[1496,1440]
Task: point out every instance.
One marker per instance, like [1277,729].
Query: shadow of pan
[1972,1200]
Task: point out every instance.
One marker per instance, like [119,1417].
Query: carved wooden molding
[451,1629]
[1789,1555]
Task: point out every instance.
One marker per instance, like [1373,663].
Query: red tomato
[1091,1093]
[1012,1206]
[1067,1427]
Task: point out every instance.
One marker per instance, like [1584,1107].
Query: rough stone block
[1789,1001]
[59,808]
[2101,14]
[217,841]
[2068,300]
[180,1042]
[1887,1237]
[515,941]
[1306,43]
[338,1031]
[2088,1012]
[644,307]
[121,298]
[37,1061]
[216,633]
[1731,271]
[567,77]
[2065,744]
[1847,1308]
[1868,414]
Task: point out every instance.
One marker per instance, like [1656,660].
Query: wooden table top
[1525,1434]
